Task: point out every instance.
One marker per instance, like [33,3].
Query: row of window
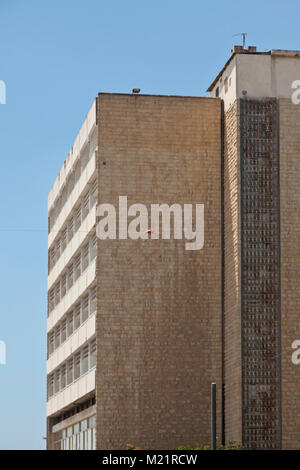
[80,436]
[73,224]
[72,272]
[227,84]
[85,156]
[72,320]
[72,369]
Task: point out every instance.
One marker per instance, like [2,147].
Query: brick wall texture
[159,306]
[290,268]
[232,277]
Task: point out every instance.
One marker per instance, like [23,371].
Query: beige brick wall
[290,272]
[232,261]
[159,306]
[290,267]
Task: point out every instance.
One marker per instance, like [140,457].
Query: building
[138,329]
[129,298]
[261,247]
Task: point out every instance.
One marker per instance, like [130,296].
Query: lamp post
[213,417]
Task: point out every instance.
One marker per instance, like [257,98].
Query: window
[92,300]
[70,371]
[77,316]
[73,272]
[77,172]
[76,428]
[226,84]
[85,257]
[84,425]
[57,293]
[70,183]
[51,343]
[94,438]
[63,285]
[93,143]
[63,331]
[81,436]
[84,360]
[63,377]
[92,421]
[57,381]
[78,441]
[51,258]
[64,240]
[93,193]
[77,218]
[57,251]
[89,439]
[70,323]
[77,267]
[77,366]
[70,275]
[70,229]
[64,196]
[92,354]
[51,300]
[50,386]
[58,207]
[85,206]
[84,158]
[57,337]
[50,224]
[73,224]
[85,308]
[93,247]
[217,92]
[81,441]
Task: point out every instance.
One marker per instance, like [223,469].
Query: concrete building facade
[138,329]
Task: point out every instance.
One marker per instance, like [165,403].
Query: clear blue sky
[55,56]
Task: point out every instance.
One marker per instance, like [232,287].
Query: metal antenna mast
[244,38]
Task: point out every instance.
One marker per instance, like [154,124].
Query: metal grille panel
[260,274]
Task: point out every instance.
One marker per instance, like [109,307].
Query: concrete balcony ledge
[76,193]
[80,336]
[73,294]
[80,141]
[76,390]
[72,246]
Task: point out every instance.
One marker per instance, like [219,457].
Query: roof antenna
[244,38]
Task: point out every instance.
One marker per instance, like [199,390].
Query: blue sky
[55,56]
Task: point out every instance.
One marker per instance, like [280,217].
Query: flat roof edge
[156,95]
[286,53]
[273,52]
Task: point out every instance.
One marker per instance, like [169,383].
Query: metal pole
[213,417]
